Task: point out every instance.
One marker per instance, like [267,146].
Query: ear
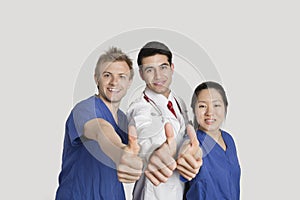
[96,79]
[172,67]
[141,73]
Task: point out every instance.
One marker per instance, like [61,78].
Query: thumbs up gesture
[161,163]
[130,164]
[189,158]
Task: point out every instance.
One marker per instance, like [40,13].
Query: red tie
[170,106]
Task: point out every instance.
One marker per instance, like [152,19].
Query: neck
[112,106]
[165,94]
[214,134]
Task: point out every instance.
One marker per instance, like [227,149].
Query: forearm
[109,141]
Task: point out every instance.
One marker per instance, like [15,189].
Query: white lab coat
[149,118]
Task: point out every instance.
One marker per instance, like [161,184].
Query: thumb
[195,150]
[169,132]
[192,135]
[170,138]
[132,139]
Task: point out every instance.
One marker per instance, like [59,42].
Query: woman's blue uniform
[219,176]
[87,173]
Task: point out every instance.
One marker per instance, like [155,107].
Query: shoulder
[201,136]
[182,107]
[139,100]
[228,138]
[139,104]
[226,134]
[181,104]
[180,101]
[84,110]
[85,104]
[139,109]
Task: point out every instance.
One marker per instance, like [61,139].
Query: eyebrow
[216,100]
[148,67]
[164,64]
[153,65]
[123,74]
[112,73]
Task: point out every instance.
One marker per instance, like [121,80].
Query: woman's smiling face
[210,110]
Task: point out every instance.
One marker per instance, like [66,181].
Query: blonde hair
[114,54]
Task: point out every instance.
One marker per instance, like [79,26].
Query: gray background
[254,45]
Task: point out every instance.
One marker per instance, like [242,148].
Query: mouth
[159,83]
[209,121]
[113,90]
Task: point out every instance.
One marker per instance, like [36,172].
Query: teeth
[113,90]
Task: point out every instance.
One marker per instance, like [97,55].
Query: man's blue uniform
[87,173]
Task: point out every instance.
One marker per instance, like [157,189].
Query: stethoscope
[155,106]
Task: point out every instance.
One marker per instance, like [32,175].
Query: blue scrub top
[219,176]
[87,173]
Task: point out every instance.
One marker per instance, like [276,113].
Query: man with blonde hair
[98,154]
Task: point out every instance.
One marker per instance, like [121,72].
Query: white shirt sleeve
[149,125]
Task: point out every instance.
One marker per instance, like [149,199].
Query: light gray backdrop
[254,46]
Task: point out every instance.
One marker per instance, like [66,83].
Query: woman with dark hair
[219,176]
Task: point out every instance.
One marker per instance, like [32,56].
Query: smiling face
[209,110]
[113,80]
[157,72]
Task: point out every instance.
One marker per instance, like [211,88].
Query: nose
[114,80]
[157,74]
[209,110]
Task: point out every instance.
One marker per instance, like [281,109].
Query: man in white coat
[161,121]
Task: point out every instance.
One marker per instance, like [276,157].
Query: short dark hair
[208,85]
[152,48]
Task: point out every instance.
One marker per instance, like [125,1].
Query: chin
[160,91]
[114,100]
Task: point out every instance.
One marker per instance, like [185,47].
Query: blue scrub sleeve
[82,113]
[197,191]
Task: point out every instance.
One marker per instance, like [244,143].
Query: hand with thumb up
[162,163]
[189,158]
[130,164]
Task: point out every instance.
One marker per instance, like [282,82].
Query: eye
[106,75]
[202,106]
[148,70]
[217,105]
[123,76]
[164,66]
